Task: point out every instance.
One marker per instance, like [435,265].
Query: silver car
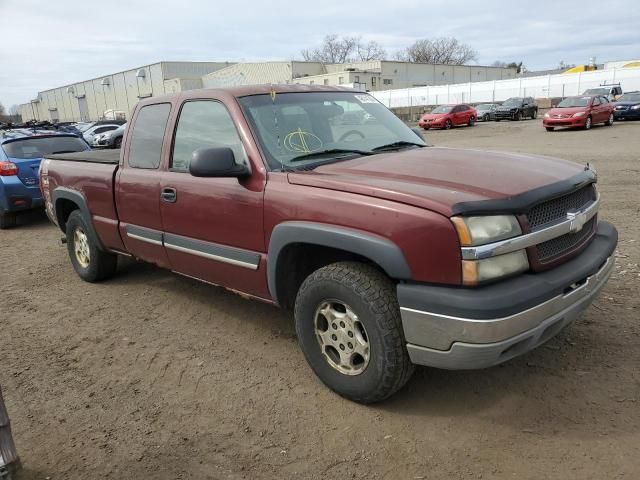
[90,134]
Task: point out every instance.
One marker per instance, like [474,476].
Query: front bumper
[565,122]
[626,114]
[461,328]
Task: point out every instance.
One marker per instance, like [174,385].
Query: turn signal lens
[475,272]
[8,169]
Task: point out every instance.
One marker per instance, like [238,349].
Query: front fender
[379,250]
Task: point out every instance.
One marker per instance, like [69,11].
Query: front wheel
[534,114]
[588,123]
[89,262]
[349,328]
[609,121]
[7,220]
[549,129]
[472,121]
[486,117]
[517,117]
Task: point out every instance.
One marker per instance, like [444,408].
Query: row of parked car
[581,111]
[22,147]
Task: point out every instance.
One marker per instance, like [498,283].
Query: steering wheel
[351,132]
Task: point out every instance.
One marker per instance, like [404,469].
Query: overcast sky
[48,43]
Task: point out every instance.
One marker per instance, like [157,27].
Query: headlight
[579,114]
[635,107]
[546,115]
[486,229]
[478,271]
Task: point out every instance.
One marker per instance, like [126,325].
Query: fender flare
[63,193]
[378,249]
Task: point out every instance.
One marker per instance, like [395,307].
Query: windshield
[575,102]
[322,126]
[442,109]
[38,147]
[597,91]
[630,97]
[485,106]
[513,102]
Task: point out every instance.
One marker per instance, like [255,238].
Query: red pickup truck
[391,252]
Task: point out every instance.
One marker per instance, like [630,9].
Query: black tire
[498,119]
[588,123]
[610,120]
[549,129]
[486,117]
[534,114]
[117,143]
[472,121]
[7,220]
[448,125]
[518,116]
[372,298]
[100,265]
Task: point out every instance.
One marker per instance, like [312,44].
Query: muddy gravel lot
[155,376]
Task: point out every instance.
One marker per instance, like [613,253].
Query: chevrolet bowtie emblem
[578,219]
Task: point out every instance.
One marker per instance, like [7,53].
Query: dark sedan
[627,107]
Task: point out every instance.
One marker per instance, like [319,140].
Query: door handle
[169,195]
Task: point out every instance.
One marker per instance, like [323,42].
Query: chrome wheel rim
[81,247]
[343,340]
[588,124]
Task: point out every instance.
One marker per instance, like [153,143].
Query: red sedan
[447,116]
[580,112]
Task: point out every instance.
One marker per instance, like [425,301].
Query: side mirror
[418,132]
[216,162]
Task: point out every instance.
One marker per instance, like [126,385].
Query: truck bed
[111,157]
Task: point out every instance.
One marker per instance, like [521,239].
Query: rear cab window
[147,136]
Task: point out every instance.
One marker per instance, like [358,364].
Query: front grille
[556,209]
[559,245]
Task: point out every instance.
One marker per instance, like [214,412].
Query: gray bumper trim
[475,343]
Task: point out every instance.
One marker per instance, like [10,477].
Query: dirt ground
[155,376]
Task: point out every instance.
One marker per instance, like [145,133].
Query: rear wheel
[534,114]
[89,262]
[448,125]
[349,328]
[609,121]
[588,123]
[7,220]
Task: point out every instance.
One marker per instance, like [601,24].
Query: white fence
[546,86]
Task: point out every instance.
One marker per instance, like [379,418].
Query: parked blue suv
[20,153]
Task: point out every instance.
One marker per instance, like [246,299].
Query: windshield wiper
[400,144]
[329,151]
[62,151]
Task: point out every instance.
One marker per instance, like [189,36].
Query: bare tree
[370,51]
[336,49]
[14,110]
[1,109]
[443,50]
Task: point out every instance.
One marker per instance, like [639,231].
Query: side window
[596,101]
[204,124]
[604,100]
[147,136]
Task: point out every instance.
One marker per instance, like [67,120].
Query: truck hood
[437,178]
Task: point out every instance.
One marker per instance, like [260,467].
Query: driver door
[213,226]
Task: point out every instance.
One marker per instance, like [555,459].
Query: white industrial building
[115,95]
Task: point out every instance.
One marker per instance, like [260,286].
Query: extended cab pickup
[390,252]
